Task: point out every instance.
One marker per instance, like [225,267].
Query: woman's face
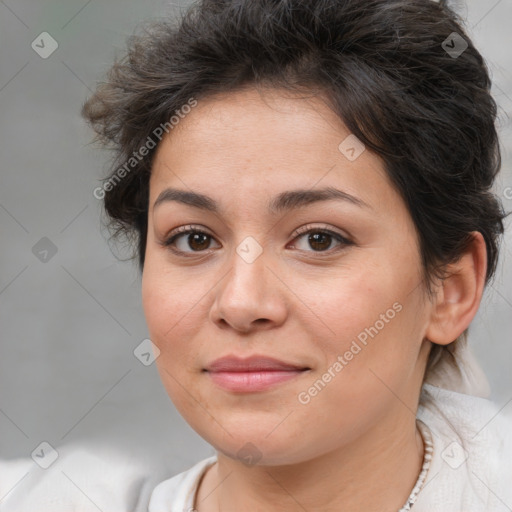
[268,276]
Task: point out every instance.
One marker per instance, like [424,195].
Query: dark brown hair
[386,67]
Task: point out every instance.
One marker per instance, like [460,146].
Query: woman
[309,187]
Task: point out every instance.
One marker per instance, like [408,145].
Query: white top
[76,479]
[461,426]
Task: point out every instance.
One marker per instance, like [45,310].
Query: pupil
[314,240]
[194,237]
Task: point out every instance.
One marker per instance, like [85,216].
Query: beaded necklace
[427,458]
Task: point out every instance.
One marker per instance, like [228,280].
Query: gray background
[69,325]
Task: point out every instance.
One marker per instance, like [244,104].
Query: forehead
[268,141]
[255,118]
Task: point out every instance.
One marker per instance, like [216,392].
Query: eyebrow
[289,200]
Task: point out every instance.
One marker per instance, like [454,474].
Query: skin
[355,444]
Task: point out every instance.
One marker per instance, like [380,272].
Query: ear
[459,294]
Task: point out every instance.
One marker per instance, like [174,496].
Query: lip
[251,374]
[253,363]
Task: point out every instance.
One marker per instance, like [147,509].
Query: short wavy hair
[385,67]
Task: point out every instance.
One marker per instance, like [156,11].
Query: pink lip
[250,364]
[255,373]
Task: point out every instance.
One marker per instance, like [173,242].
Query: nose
[249,297]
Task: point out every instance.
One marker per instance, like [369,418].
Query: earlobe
[459,294]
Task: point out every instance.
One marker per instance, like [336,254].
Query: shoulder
[478,423]
[472,450]
[74,477]
[179,491]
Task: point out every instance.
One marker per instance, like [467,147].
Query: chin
[252,446]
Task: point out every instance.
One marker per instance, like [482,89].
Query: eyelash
[186,230]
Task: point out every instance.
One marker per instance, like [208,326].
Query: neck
[376,473]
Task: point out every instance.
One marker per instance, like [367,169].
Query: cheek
[167,298]
[163,314]
[165,309]
[156,305]
[173,313]
[370,321]
[342,309]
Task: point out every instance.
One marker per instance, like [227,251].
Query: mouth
[256,373]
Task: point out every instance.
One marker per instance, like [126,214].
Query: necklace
[427,458]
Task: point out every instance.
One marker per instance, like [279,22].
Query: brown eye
[188,241]
[320,240]
[198,241]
